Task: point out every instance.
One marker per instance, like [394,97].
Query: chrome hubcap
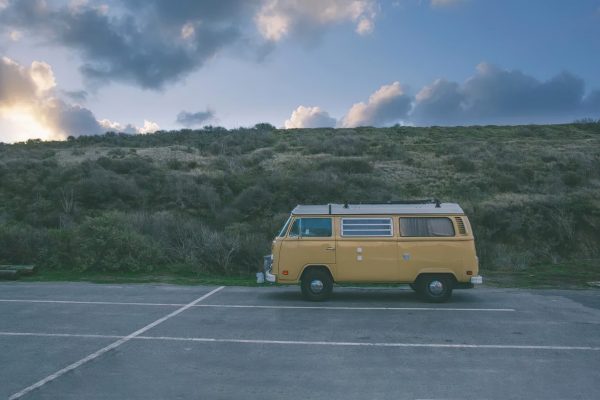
[316,286]
[436,287]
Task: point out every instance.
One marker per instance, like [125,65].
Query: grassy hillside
[210,201]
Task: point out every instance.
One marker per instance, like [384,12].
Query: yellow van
[426,244]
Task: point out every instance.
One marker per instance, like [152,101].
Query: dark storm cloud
[591,104]
[175,12]
[494,93]
[147,43]
[496,96]
[194,119]
[72,120]
[438,103]
[491,96]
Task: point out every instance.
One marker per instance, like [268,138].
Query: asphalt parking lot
[87,341]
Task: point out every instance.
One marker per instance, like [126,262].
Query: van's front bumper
[267,267]
[477,280]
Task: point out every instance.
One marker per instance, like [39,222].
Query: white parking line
[318,343]
[66,335]
[89,302]
[111,346]
[358,308]
[260,306]
[373,344]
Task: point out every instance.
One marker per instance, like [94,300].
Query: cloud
[16,83]
[438,103]
[112,126]
[29,107]
[189,119]
[142,42]
[309,117]
[78,96]
[70,120]
[389,104]
[445,3]
[493,92]
[492,95]
[148,127]
[153,43]
[15,36]
[496,96]
[279,18]
[591,103]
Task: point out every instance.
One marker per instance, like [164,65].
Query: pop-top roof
[377,209]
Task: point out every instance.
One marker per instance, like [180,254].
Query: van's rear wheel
[316,285]
[435,289]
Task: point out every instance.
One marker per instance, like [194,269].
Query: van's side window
[311,227]
[426,226]
[367,227]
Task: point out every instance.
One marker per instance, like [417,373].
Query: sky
[77,67]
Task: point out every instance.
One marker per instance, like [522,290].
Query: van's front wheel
[435,289]
[316,285]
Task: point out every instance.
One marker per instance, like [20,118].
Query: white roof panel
[377,209]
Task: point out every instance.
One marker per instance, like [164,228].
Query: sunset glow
[22,123]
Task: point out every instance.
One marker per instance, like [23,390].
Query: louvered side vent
[462,230]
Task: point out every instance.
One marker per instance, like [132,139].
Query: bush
[346,165]
[572,179]
[462,164]
[106,243]
[22,244]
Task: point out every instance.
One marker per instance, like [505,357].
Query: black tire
[435,288]
[413,286]
[316,285]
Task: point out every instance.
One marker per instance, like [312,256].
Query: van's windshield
[285,227]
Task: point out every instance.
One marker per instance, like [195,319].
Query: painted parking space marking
[357,308]
[259,306]
[314,343]
[61,335]
[117,303]
[111,346]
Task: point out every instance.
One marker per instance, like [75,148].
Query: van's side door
[367,249]
[310,241]
[428,243]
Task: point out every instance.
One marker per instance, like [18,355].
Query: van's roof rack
[406,207]
[420,201]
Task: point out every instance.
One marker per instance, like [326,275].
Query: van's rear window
[367,227]
[426,227]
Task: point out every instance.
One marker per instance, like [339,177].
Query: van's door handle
[330,248]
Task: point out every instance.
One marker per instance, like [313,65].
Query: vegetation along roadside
[190,206]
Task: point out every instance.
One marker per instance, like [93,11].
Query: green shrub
[106,243]
[572,179]
[462,164]
[346,165]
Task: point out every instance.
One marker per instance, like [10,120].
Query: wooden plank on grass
[23,269]
[9,274]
